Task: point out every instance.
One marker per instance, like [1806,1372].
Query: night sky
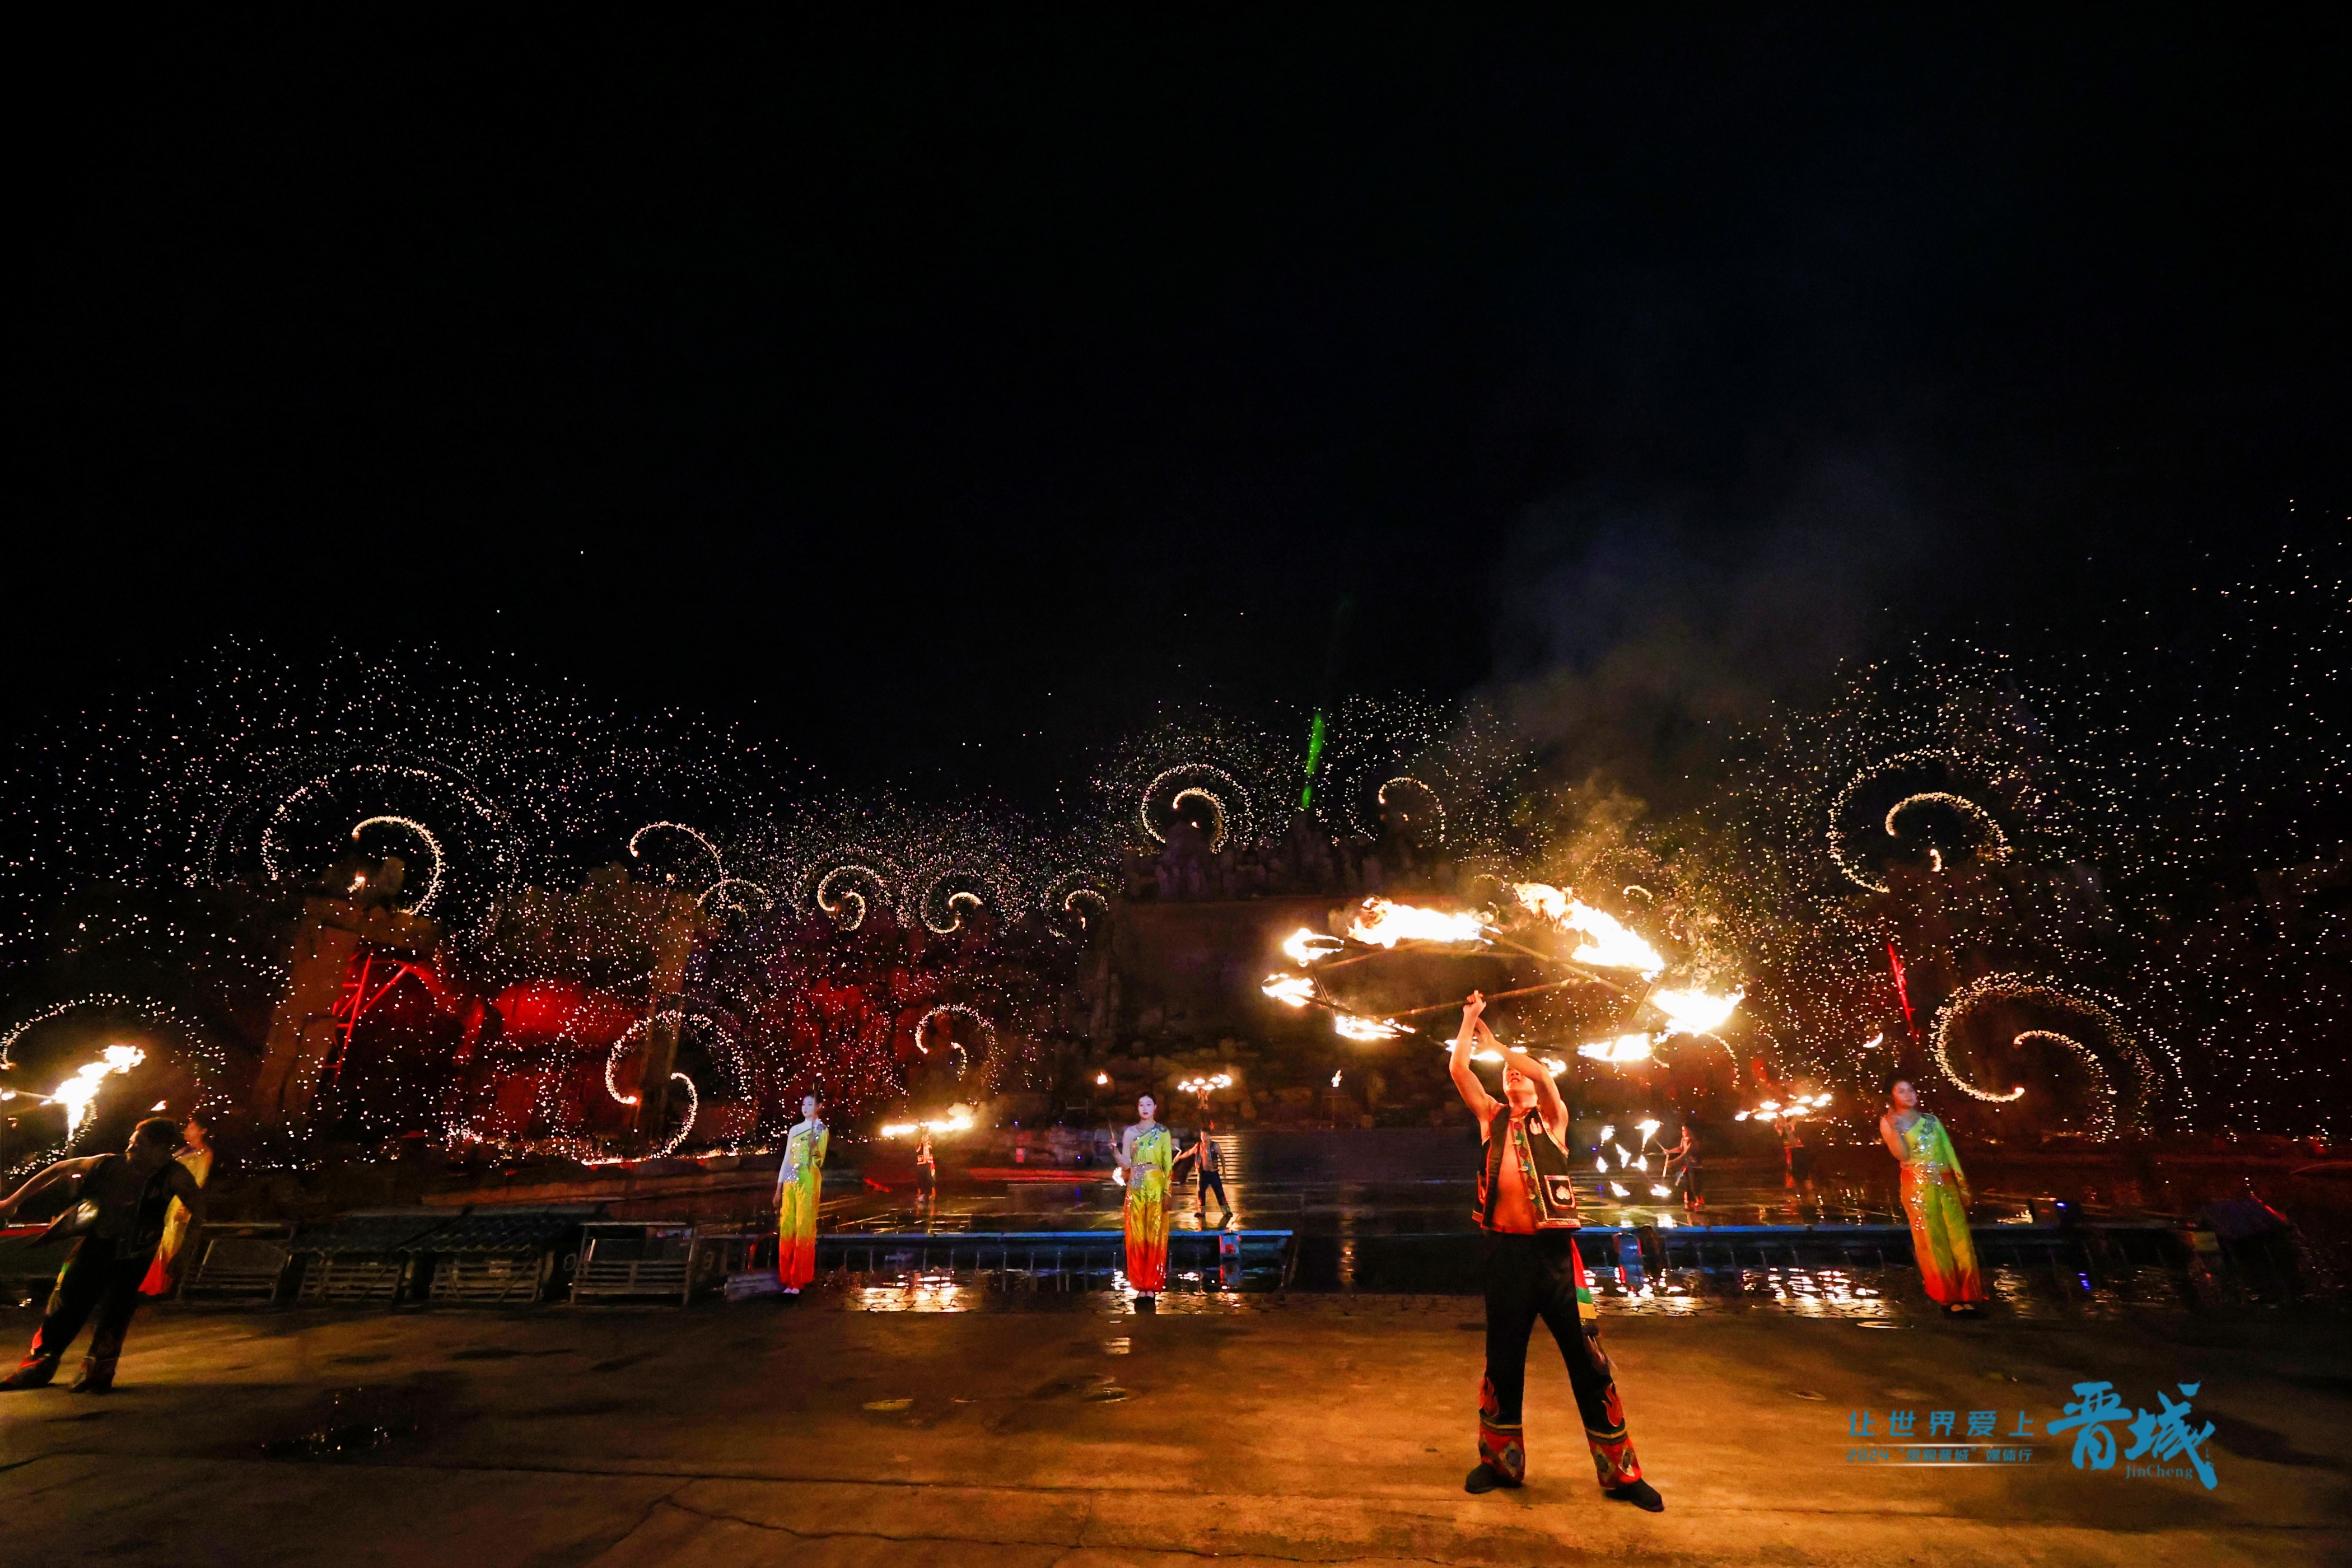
[945,393]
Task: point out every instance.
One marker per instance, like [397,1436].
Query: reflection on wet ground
[1390,1215]
[1888,1295]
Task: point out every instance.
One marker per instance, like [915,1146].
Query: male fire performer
[116,1225]
[1528,1207]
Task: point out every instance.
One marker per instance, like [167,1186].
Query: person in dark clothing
[115,1225]
[1692,1175]
[1528,1207]
[1209,1156]
[926,1170]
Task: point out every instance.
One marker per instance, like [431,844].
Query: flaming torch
[75,1095]
[1696,1012]
[957,1120]
[1381,923]
[1607,943]
[1290,990]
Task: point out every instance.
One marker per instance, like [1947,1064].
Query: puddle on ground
[357,1421]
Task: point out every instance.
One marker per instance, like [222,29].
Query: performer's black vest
[1543,1170]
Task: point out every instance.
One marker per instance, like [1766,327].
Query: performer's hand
[1473,1009]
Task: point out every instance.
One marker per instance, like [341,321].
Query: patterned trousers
[1541,1276]
[94,1283]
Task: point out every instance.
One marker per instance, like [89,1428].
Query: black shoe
[1484,1479]
[1640,1494]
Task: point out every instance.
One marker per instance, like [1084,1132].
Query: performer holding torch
[1528,1207]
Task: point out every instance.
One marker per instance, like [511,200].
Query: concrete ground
[1288,1428]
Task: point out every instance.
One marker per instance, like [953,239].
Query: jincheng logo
[2093,1416]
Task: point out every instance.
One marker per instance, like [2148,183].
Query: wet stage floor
[1392,1214]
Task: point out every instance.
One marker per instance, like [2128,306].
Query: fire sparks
[1608,943]
[1290,990]
[957,1120]
[77,1094]
[1381,923]
[1351,1027]
[1696,1012]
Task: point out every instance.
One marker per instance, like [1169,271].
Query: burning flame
[1385,924]
[1695,1012]
[1352,1027]
[1802,1106]
[1623,1048]
[1648,1130]
[956,1120]
[1607,944]
[1205,1085]
[1658,1192]
[1291,990]
[77,1094]
[1305,945]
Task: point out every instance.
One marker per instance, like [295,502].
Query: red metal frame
[352,1004]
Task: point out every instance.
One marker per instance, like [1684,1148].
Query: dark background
[943,392]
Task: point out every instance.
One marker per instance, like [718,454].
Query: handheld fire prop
[1381,927]
[960,1119]
[77,1094]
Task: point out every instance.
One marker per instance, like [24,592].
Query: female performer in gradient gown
[800,1181]
[1936,1196]
[196,1154]
[1146,1155]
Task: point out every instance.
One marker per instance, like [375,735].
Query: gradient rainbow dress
[1147,1212]
[800,1184]
[1932,1186]
[165,1271]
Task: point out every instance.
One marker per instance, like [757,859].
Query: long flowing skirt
[796,1235]
[1940,1237]
[1147,1238]
[163,1273]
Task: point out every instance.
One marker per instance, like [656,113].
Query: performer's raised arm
[63,1171]
[1548,1101]
[1466,1077]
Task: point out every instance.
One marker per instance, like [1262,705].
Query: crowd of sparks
[2105,879]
